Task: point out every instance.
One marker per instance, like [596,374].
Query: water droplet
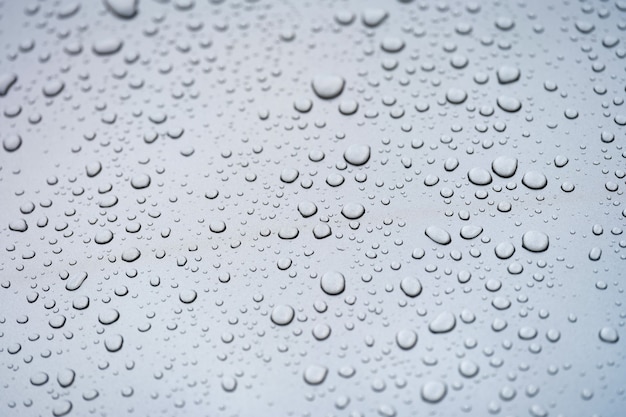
[6,82]
[353,211]
[229,384]
[373,17]
[509,104]
[333,283]
[456,96]
[434,391]
[12,142]
[107,46]
[504,166]
[66,377]
[307,208]
[140,181]
[131,255]
[507,75]
[608,335]
[108,316]
[534,180]
[123,8]
[438,235]
[479,176]
[328,86]
[392,44]
[315,374]
[62,408]
[535,241]
[188,296]
[40,378]
[282,314]
[357,154]
[406,339]
[53,88]
[114,343]
[411,286]
[289,175]
[443,323]
[470,231]
[321,231]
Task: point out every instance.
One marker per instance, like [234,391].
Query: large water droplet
[107,46]
[434,391]
[328,86]
[333,283]
[357,154]
[438,235]
[406,339]
[282,314]
[443,323]
[315,374]
[123,8]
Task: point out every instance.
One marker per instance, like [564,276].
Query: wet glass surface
[312,208]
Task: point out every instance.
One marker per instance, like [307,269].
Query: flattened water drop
[509,104]
[307,208]
[438,235]
[125,9]
[357,154]
[373,17]
[534,180]
[282,314]
[76,281]
[289,175]
[7,79]
[140,181]
[406,339]
[411,286]
[12,142]
[321,331]
[131,255]
[228,383]
[288,232]
[353,211]
[321,231]
[443,323]
[504,166]
[392,44]
[507,74]
[40,378]
[114,343]
[333,283]
[188,296]
[66,377]
[468,369]
[103,237]
[315,374]
[535,241]
[53,88]
[608,335]
[456,96]
[434,391]
[62,408]
[470,231]
[328,86]
[107,46]
[348,107]
[108,316]
[93,168]
[479,176]
[217,226]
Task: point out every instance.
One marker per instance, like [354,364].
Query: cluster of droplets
[231,208]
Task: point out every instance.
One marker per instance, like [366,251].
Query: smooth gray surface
[312,208]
